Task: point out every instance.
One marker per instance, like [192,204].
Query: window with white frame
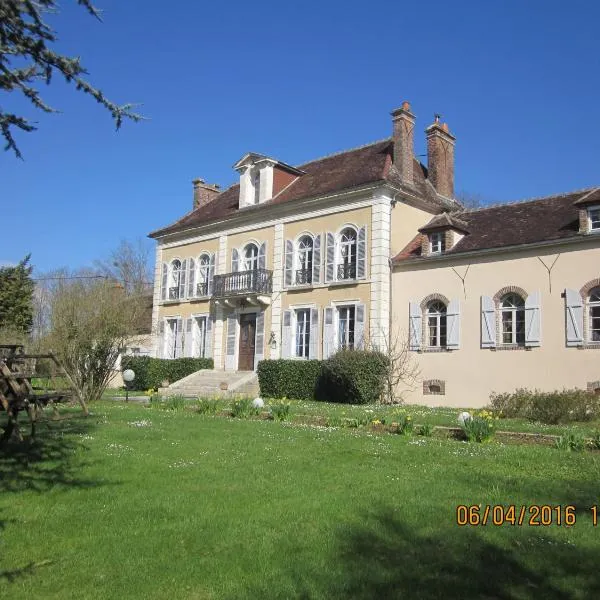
[305,260]
[175,274]
[173,335]
[203,275]
[302,333]
[347,254]
[436,242]
[199,337]
[593,302]
[512,311]
[436,324]
[250,257]
[594,218]
[346,324]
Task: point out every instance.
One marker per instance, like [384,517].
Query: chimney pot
[204,192]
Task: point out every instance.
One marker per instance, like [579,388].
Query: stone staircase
[210,383]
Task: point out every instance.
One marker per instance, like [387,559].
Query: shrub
[352,377]
[150,372]
[551,408]
[207,406]
[573,442]
[289,378]
[595,441]
[242,408]
[425,430]
[174,403]
[479,428]
[280,410]
[404,423]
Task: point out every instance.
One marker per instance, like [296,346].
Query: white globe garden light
[464,416]
[128,377]
[258,403]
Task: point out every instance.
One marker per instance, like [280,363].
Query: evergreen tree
[26,57]
[16,297]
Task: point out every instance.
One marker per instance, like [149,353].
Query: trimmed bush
[151,372]
[551,408]
[353,377]
[283,378]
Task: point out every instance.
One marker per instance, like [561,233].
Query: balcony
[255,282]
[303,277]
[346,271]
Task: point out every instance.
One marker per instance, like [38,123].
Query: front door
[247,341]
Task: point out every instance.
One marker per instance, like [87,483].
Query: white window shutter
[286,335]
[235,260]
[533,321]
[361,262]
[164,282]
[230,346]
[262,256]
[259,343]
[316,265]
[415,326]
[179,339]
[289,263]
[328,332]
[574,317]
[359,326]
[313,346]
[182,278]
[488,322]
[188,346]
[212,263]
[453,325]
[208,344]
[330,259]
[191,278]
[160,349]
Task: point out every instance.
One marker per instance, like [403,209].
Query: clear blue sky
[516,81]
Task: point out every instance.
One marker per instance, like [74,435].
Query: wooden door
[247,342]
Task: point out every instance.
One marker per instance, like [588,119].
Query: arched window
[594,315]
[512,310]
[347,265]
[203,275]
[251,257]
[436,324]
[174,279]
[305,260]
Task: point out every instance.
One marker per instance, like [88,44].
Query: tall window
[305,260]
[203,273]
[199,337]
[594,315]
[512,309]
[172,338]
[251,257]
[347,266]
[174,279]
[346,320]
[256,186]
[302,333]
[436,324]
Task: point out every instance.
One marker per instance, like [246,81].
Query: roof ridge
[387,139]
[467,211]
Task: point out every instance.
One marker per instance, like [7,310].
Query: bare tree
[129,264]
[470,200]
[402,373]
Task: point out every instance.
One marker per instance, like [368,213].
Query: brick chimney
[204,192]
[404,126]
[440,157]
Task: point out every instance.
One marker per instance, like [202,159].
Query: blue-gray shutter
[574,317]
[208,344]
[361,261]
[230,346]
[289,263]
[488,322]
[211,272]
[328,332]
[359,326]
[453,325]
[313,344]
[164,282]
[160,347]
[259,340]
[188,336]
[286,335]
[316,265]
[182,278]
[415,319]
[235,260]
[191,278]
[262,256]
[330,259]
[533,321]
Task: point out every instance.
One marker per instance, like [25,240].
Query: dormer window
[436,242]
[594,218]
[256,186]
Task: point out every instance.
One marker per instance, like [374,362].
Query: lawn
[135,502]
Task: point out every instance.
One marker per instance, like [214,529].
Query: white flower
[464,416]
[258,403]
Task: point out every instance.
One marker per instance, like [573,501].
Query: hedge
[349,376]
[151,372]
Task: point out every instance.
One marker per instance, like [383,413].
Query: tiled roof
[529,222]
[445,220]
[338,172]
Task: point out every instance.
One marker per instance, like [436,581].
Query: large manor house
[370,246]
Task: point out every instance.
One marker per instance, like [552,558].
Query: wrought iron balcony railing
[303,276]
[257,281]
[202,289]
[174,293]
[346,271]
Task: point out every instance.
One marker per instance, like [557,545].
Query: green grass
[140,503]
